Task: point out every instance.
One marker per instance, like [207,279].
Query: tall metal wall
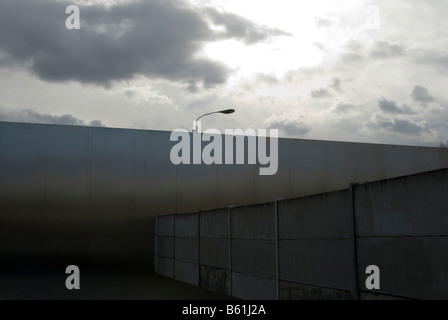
[88,196]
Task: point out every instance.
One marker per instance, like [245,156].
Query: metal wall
[88,196]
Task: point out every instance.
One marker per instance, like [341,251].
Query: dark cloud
[242,28]
[343,108]
[156,39]
[351,58]
[404,126]
[336,85]
[433,58]
[96,123]
[192,86]
[385,49]
[391,107]
[421,94]
[320,93]
[291,128]
[31,116]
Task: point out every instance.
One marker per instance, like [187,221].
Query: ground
[113,286]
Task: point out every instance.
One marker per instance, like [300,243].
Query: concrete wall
[318,247]
[88,196]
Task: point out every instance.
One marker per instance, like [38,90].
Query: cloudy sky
[350,70]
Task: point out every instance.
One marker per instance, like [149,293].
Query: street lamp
[228,111]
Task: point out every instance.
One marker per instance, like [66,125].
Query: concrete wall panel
[253,222]
[165,247]
[215,223]
[187,272]
[253,288]
[297,291]
[187,225]
[410,267]
[326,215]
[215,279]
[407,206]
[324,263]
[215,252]
[256,257]
[186,249]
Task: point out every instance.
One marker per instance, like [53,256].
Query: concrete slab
[410,267]
[324,263]
[215,279]
[187,225]
[187,272]
[252,288]
[166,247]
[255,257]
[215,224]
[215,252]
[254,222]
[326,215]
[412,205]
[297,291]
[186,249]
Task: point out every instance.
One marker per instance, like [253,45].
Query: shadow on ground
[114,286]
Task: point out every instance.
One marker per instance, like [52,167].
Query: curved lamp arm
[228,111]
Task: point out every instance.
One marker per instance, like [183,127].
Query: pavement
[100,286]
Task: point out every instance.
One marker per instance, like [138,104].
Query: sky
[348,70]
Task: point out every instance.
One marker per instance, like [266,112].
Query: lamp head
[228,111]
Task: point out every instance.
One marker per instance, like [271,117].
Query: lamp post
[228,111]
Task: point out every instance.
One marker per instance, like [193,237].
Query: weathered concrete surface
[321,216]
[415,205]
[253,222]
[165,247]
[297,291]
[215,279]
[255,257]
[402,227]
[325,263]
[215,224]
[186,249]
[186,225]
[254,288]
[186,272]
[215,252]
[411,267]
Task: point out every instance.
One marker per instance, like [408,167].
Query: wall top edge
[354,143]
